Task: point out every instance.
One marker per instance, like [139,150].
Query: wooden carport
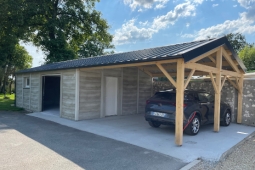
[215,59]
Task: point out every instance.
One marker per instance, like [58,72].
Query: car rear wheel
[154,124]
[193,127]
[226,119]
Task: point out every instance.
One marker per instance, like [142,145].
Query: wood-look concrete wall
[134,88]
[88,101]
[31,98]
[90,94]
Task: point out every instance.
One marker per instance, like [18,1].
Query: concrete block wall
[249,102]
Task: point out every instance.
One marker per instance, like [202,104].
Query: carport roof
[188,51]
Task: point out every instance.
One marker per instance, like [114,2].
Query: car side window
[203,97]
[210,98]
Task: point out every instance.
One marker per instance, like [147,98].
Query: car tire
[193,127]
[226,118]
[154,124]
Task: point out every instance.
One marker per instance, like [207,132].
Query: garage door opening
[50,93]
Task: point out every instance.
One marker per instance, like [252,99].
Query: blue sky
[140,24]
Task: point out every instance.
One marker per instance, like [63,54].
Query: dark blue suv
[198,110]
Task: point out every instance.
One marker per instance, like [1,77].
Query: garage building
[119,84]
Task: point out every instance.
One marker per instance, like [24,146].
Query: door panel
[111,95]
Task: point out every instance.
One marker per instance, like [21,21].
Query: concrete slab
[133,129]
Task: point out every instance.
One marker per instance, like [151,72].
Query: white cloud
[130,33]
[241,25]
[250,6]
[147,4]
[182,10]
[234,6]
[214,5]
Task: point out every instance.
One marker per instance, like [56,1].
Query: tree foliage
[237,41]
[63,29]
[247,54]
[16,59]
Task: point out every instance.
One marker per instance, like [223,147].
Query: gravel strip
[242,158]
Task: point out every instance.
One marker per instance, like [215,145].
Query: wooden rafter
[212,59]
[223,81]
[189,78]
[145,71]
[205,54]
[230,61]
[168,76]
[232,83]
[213,82]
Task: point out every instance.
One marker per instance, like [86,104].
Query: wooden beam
[179,103]
[223,81]
[197,73]
[218,92]
[130,64]
[230,73]
[213,82]
[205,55]
[212,59]
[230,61]
[173,67]
[232,83]
[145,71]
[240,101]
[189,77]
[202,67]
[168,76]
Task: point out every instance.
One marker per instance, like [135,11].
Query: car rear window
[171,96]
[164,96]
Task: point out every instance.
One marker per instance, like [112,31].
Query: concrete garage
[119,84]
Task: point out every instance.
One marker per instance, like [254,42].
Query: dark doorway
[50,92]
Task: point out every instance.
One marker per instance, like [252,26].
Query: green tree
[17,59]
[237,41]
[247,54]
[68,29]
[63,29]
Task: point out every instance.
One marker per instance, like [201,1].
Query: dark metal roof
[187,51]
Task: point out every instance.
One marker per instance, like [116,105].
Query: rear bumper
[162,120]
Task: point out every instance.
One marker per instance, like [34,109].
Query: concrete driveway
[133,129]
[31,143]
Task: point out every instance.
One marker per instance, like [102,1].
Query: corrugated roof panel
[159,53]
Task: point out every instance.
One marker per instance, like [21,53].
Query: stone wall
[228,94]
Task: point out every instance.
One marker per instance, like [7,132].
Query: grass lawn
[7,104]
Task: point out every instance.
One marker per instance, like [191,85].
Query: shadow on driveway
[86,150]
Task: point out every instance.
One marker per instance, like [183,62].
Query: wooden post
[240,100]
[218,91]
[179,102]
